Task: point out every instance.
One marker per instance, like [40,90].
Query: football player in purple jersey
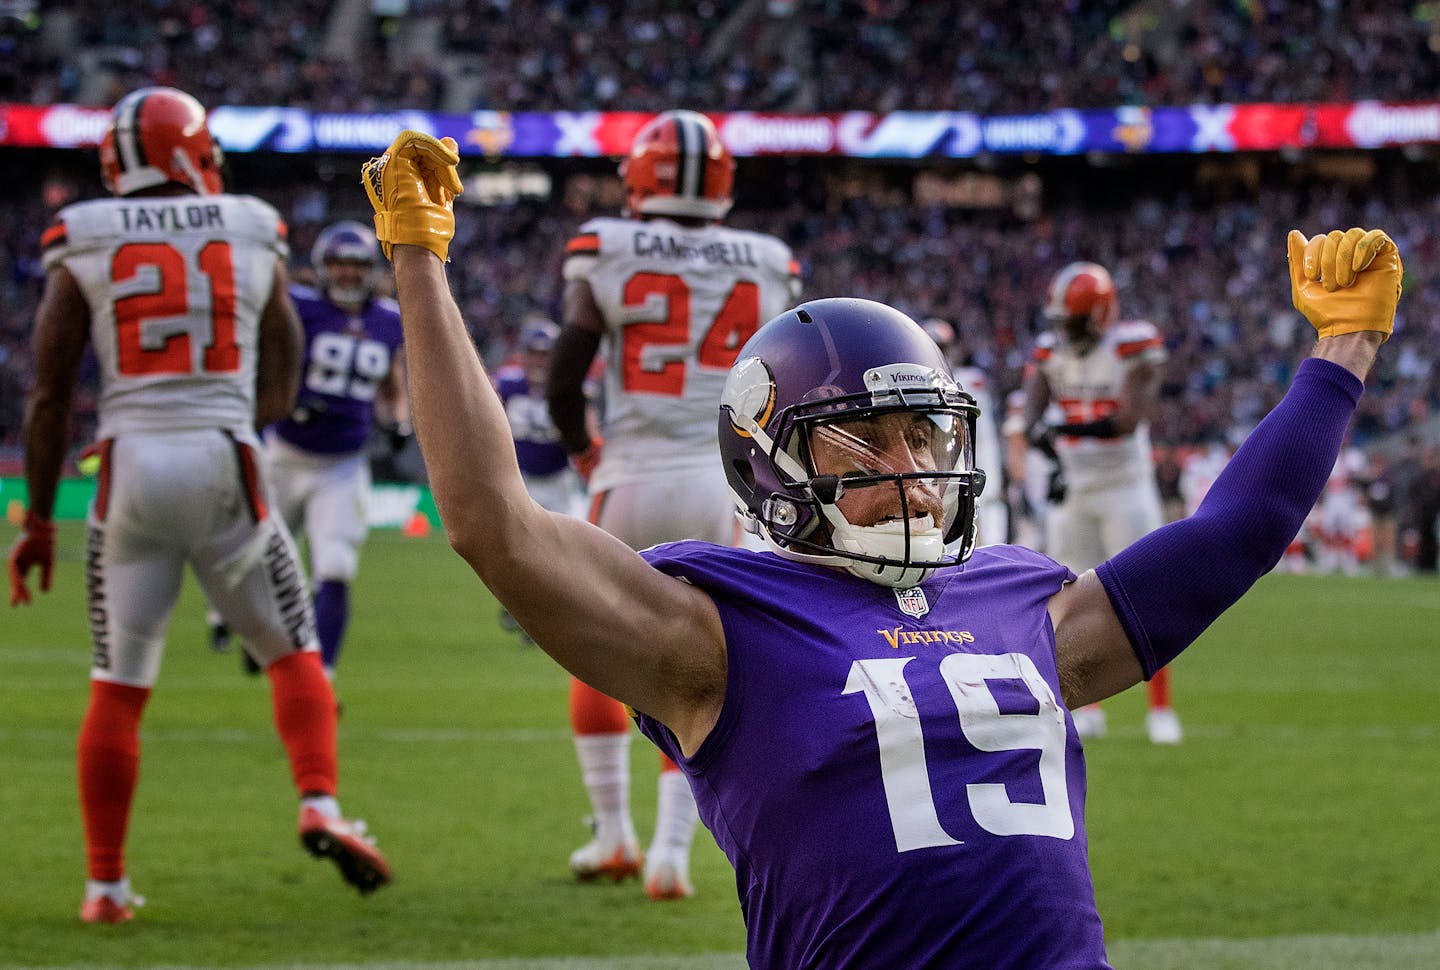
[874,715]
[352,376]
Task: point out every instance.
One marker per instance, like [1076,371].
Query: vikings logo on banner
[491,131]
[912,601]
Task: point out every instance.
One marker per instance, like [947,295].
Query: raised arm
[1134,613]
[587,599]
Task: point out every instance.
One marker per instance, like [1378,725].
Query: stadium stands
[1199,261]
[991,57]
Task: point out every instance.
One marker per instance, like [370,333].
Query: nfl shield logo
[912,601]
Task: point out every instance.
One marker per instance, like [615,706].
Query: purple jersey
[346,358]
[892,774]
[537,443]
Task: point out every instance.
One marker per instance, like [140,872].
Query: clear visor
[893,466]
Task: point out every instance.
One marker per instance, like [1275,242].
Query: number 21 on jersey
[155,320]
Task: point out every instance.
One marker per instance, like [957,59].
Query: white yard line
[1401,951]
[1290,734]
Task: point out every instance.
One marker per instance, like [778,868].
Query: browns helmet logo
[158,136]
[678,167]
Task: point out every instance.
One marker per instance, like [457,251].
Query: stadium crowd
[991,57]
[1199,271]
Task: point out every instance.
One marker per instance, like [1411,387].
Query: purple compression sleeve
[1172,584]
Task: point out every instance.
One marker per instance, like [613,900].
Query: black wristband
[1101,428]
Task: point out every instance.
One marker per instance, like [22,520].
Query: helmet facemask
[349,247]
[882,483]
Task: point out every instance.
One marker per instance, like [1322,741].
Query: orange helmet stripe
[585,244]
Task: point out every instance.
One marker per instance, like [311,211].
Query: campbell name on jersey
[678,304]
[1088,387]
[176,286]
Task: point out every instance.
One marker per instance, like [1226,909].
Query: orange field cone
[418,527]
[15,513]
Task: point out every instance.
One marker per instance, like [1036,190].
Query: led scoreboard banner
[855,134]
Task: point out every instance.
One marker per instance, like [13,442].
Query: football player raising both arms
[876,728]
[671,295]
[1104,375]
[180,289]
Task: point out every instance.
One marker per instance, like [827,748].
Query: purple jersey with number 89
[346,358]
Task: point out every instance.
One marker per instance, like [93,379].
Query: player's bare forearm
[46,426]
[565,393]
[1142,395]
[280,350]
[1355,352]
[588,599]
[1037,399]
[392,404]
[459,419]
[62,331]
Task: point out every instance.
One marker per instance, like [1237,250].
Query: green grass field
[1295,827]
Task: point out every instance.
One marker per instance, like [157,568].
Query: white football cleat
[616,861]
[1163,726]
[109,902]
[1089,721]
[667,875]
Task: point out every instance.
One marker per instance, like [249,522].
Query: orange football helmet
[1083,290]
[678,167]
[156,136]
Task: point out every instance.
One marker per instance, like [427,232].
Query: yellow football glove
[412,188]
[1345,282]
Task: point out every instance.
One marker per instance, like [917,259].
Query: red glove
[584,462]
[35,547]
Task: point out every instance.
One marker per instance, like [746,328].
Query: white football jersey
[678,303]
[1089,387]
[176,286]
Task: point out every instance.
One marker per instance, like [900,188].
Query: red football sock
[592,712]
[108,766]
[304,707]
[1158,687]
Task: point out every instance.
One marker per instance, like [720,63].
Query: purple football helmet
[538,334]
[345,242]
[825,376]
